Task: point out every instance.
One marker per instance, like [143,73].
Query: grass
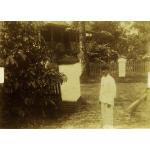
[87,114]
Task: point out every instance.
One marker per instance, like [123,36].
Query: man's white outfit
[107,95]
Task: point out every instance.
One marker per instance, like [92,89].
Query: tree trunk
[83,52]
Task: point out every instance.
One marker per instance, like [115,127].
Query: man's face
[105,72]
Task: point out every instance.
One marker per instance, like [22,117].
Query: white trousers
[107,115]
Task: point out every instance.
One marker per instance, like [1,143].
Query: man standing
[107,95]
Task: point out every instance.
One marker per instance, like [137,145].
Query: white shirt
[107,90]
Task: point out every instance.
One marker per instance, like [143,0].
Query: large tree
[120,38]
[143,29]
[136,36]
[83,51]
[103,46]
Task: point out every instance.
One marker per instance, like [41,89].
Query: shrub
[27,87]
[100,53]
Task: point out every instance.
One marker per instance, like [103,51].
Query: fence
[140,67]
[55,92]
[132,68]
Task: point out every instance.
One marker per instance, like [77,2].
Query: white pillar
[71,89]
[122,67]
[1,91]
[2,75]
[148,80]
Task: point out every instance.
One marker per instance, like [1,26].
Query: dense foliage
[28,83]
[100,53]
[103,44]
[112,39]
[141,44]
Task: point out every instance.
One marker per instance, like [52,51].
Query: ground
[87,112]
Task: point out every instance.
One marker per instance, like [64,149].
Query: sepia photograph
[74,74]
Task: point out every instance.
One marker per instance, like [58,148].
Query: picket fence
[132,68]
[55,92]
